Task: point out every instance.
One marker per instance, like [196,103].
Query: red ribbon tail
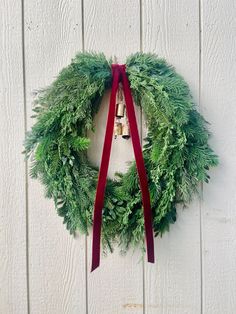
[143,180]
[101,185]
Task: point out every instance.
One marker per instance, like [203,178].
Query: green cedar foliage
[176,151]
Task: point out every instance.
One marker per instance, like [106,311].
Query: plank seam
[26,163]
[141,24]
[82,23]
[201,187]
[141,136]
[86,237]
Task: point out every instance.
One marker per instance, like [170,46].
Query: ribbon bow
[119,75]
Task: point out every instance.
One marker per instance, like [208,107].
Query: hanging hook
[115,59]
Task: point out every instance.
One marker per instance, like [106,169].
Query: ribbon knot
[119,75]
[119,68]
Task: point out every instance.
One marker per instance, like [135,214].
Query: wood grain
[13,272]
[173,284]
[117,286]
[57,274]
[218,97]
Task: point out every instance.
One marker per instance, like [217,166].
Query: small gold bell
[120,107]
[125,131]
[120,110]
[117,129]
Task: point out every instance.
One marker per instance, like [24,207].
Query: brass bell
[117,129]
[120,109]
[125,131]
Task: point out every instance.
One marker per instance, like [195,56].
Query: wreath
[176,152]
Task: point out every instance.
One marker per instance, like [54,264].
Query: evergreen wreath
[176,151]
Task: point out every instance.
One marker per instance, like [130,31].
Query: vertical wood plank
[13,273]
[113,28]
[173,284]
[218,97]
[57,277]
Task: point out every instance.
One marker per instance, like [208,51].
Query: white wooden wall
[43,270]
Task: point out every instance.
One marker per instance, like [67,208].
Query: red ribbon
[119,74]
